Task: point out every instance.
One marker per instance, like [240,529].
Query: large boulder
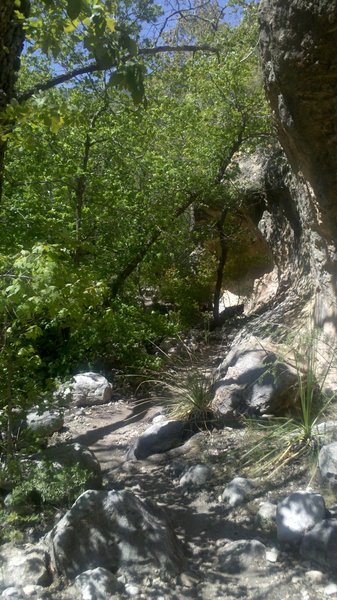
[85,389]
[158,438]
[253,380]
[117,531]
[298,513]
[320,544]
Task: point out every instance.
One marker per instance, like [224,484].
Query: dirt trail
[201,519]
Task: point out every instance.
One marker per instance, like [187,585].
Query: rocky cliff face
[300,71]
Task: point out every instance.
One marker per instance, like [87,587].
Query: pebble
[11,592]
[330,589]
[272,555]
[187,580]
[132,590]
[315,576]
[32,590]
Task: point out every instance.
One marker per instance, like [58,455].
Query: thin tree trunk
[221,264]
[132,265]
[11,44]
[81,182]
[79,195]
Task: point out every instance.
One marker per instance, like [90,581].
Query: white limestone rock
[298,513]
[117,531]
[85,389]
[97,584]
[237,491]
[196,476]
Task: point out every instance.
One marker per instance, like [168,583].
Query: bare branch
[95,67]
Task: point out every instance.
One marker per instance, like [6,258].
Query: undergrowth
[38,490]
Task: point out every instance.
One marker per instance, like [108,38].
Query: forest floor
[200,517]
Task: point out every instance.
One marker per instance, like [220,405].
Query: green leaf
[74,8]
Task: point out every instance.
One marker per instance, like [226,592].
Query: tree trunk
[221,264]
[12,38]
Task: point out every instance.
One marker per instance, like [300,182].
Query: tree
[46,25]
[100,193]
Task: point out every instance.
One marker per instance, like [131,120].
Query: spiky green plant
[190,398]
[278,441]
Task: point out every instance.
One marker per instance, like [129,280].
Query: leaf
[117,79]
[56,123]
[74,8]
[70,26]
[110,24]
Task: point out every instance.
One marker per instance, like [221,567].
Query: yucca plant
[278,441]
[188,398]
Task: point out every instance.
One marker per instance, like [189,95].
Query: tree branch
[95,67]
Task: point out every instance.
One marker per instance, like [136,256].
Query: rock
[85,389]
[196,476]
[132,590]
[253,381]
[330,589]
[326,431]
[320,544]
[272,555]
[75,454]
[298,513]
[315,576]
[27,565]
[327,463]
[115,531]
[267,514]
[236,491]
[243,555]
[97,584]
[158,438]
[11,592]
[45,423]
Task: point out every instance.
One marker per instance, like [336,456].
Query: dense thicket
[119,197]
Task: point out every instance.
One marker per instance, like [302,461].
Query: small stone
[196,476]
[188,580]
[11,592]
[315,576]
[267,513]
[242,556]
[32,590]
[330,589]
[237,491]
[272,555]
[96,584]
[132,590]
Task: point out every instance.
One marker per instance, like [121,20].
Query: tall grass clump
[188,398]
[278,441]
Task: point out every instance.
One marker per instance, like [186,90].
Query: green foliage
[50,485]
[101,188]
[38,490]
